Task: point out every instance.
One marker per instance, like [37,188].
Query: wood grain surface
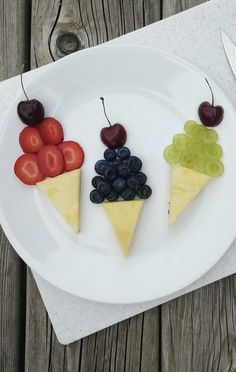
[194,333]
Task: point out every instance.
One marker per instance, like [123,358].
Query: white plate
[152,94]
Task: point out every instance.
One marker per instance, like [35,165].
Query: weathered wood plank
[171,7]
[199,330]
[14,42]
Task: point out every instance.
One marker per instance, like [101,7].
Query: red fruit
[50,160]
[51,131]
[30,140]
[73,155]
[27,170]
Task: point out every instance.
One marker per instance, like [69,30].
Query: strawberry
[73,155]
[50,160]
[30,140]
[27,170]
[51,131]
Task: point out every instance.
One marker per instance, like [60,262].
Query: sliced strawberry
[30,140]
[50,160]
[73,155]
[51,131]
[27,170]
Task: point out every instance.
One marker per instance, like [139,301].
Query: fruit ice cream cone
[63,192]
[185,184]
[124,216]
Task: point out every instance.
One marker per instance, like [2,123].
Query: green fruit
[213,151]
[189,126]
[187,159]
[193,145]
[180,141]
[199,164]
[171,154]
[211,136]
[199,131]
[214,168]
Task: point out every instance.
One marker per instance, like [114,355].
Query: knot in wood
[68,43]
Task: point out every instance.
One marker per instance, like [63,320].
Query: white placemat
[195,36]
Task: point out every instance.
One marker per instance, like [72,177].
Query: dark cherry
[115,135]
[30,111]
[209,114]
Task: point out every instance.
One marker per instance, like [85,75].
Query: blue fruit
[141,178]
[134,164]
[128,194]
[144,192]
[124,171]
[101,166]
[119,185]
[123,153]
[113,196]
[116,163]
[132,182]
[110,173]
[109,155]
[104,188]
[96,180]
[96,197]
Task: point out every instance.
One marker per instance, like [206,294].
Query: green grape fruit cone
[195,159]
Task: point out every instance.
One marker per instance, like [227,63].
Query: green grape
[189,126]
[180,141]
[201,149]
[171,154]
[211,136]
[187,159]
[193,145]
[199,164]
[213,151]
[199,131]
[214,168]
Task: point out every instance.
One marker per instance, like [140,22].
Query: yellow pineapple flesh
[123,216]
[63,192]
[185,184]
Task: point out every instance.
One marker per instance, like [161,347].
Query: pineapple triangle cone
[124,216]
[63,192]
[185,185]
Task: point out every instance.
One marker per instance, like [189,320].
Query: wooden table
[194,333]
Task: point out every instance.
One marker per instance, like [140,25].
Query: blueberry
[141,178]
[134,164]
[123,153]
[116,163]
[100,166]
[104,188]
[113,196]
[96,197]
[96,180]
[119,184]
[132,182]
[144,192]
[109,155]
[110,173]
[124,171]
[128,194]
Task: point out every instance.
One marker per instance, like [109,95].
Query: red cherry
[209,114]
[115,135]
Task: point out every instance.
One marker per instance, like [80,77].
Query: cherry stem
[104,109]
[21,80]
[212,96]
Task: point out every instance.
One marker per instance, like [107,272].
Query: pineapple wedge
[185,184]
[123,216]
[63,192]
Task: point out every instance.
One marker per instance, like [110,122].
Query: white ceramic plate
[152,94]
